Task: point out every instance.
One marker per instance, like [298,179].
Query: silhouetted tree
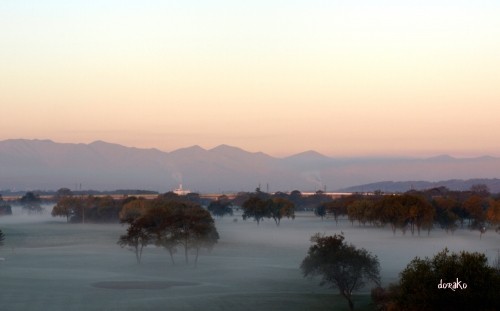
[469,284]
[445,215]
[240,198]
[255,208]
[2,238]
[160,223]
[481,190]
[340,265]
[392,212]
[220,207]
[137,237]
[360,210]
[30,197]
[476,207]
[493,214]
[63,192]
[408,211]
[296,198]
[67,207]
[195,229]
[279,208]
[421,214]
[169,224]
[313,201]
[5,208]
[31,202]
[134,209]
[336,208]
[320,211]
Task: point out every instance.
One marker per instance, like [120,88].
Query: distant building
[180,191]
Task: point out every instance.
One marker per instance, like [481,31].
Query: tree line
[419,210]
[30,202]
[5,208]
[413,211]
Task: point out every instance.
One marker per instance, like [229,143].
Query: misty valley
[249,155]
[245,252]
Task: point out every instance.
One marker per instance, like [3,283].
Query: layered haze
[48,263]
[47,165]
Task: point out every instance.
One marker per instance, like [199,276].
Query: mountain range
[46,165]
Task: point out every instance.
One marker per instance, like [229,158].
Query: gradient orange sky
[345,78]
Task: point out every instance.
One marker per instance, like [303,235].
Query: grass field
[51,265]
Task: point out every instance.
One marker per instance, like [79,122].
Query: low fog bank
[49,264]
[394,251]
[21,215]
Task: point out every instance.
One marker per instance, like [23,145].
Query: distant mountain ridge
[402,186]
[45,165]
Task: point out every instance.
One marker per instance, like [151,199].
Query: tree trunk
[351,304]
[171,256]
[349,300]
[196,258]
[138,254]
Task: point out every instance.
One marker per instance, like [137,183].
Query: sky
[344,78]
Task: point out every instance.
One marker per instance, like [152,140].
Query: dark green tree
[445,215]
[279,208]
[160,223]
[297,198]
[2,238]
[320,211]
[63,192]
[360,210]
[31,202]
[169,224]
[195,229]
[493,214]
[340,265]
[337,207]
[134,209]
[5,208]
[137,237]
[448,281]
[67,207]
[30,197]
[255,208]
[220,208]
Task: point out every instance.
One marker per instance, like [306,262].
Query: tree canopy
[340,265]
[258,207]
[448,281]
[221,207]
[5,208]
[168,224]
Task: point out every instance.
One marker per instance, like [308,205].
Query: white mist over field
[51,265]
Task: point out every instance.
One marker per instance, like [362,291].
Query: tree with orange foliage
[493,214]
